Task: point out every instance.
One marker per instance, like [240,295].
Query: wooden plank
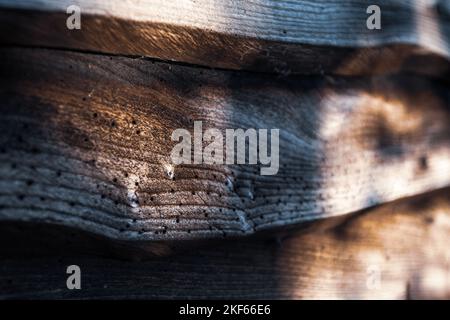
[405,241]
[286,37]
[83,136]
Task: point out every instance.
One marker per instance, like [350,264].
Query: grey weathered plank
[404,241]
[277,36]
[80,133]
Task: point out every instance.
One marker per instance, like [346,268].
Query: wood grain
[284,37]
[406,241]
[83,136]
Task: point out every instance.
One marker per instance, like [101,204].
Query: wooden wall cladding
[83,132]
[284,37]
[86,118]
[405,241]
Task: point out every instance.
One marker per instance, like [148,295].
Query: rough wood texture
[407,241]
[85,142]
[285,37]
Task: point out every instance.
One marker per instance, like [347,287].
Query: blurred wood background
[85,143]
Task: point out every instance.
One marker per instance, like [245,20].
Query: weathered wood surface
[85,125]
[406,241]
[85,142]
[285,37]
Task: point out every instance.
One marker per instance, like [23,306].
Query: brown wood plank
[83,136]
[285,37]
[406,241]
